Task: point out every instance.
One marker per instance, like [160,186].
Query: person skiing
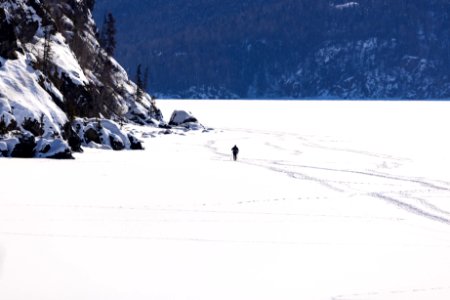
[235,151]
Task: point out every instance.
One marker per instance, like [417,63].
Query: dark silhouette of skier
[235,151]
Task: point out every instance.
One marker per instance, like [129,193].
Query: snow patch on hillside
[66,61]
[346,5]
[23,97]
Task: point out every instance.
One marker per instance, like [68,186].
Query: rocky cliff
[54,72]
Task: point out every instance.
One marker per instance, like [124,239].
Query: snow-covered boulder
[57,148]
[181,117]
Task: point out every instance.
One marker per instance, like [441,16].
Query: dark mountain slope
[287,48]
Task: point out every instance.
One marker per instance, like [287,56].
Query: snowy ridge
[410,78]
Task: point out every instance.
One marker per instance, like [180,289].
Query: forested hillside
[286,48]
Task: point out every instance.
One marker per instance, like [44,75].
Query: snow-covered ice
[328,200]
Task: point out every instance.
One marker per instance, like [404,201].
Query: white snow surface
[328,200]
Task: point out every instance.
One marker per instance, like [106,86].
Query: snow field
[328,200]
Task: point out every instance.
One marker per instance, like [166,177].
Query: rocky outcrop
[52,70]
[25,145]
[105,134]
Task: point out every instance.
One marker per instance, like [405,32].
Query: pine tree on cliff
[90,4]
[47,53]
[108,34]
[139,83]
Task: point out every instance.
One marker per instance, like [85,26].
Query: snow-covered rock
[105,134]
[181,116]
[53,149]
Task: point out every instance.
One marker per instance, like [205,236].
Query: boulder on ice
[180,117]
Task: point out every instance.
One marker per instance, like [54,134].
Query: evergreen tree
[47,54]
[107,36]
[47,51]
[110,35]
[139,83]
[90,4]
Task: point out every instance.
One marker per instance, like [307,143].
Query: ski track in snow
[399,294]
[403,199]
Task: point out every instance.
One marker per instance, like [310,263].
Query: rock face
[363,49]
[53,69]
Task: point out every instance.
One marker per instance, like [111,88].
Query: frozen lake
[328,201]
